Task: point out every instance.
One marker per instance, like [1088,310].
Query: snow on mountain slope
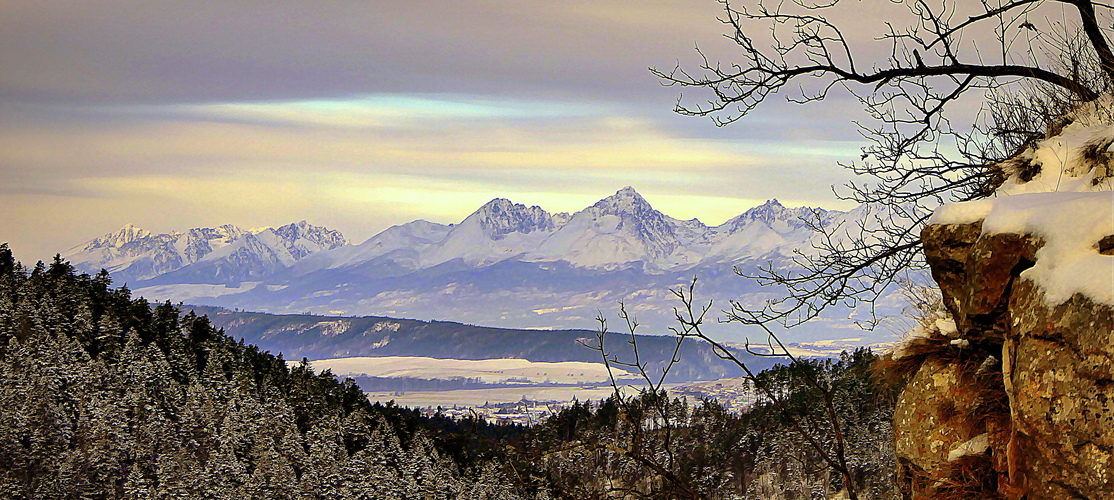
[618,230]
[770,227]
[302,239]
[497,231]
[402,244]
[125,235]
[132,253]
[227,252]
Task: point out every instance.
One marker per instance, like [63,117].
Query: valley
[376,311]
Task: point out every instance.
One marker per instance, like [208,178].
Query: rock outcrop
[1057,371]
[1059,374]
[1018,401]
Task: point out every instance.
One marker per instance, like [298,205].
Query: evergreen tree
[105,396]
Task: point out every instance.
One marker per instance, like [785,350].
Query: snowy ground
[487,370]
[477,397]
[817,349]
[190,291]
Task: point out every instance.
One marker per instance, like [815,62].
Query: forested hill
[322,337]
[104,396]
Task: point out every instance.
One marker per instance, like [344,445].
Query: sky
[358,115]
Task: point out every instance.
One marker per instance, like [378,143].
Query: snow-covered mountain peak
[777,216]
[618,230]
[625,201]
[322,237]
[137,254]
[500,217]
[636,215]
[125,235]
[772,209]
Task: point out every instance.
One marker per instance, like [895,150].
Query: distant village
[733,393]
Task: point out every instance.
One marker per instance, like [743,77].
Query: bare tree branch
[917,156]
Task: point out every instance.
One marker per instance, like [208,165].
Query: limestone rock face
[1055,439]
[1027,275]
[928,423]
[1060,381]
[946,249]
[975,273]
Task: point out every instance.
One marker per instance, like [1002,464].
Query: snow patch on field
[479,397]
[190,291]
[487,370]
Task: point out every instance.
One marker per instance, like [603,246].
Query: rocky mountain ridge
[506,264]
[616,231]
[227,251]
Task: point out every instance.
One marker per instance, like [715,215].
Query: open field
[487,370]
[477,397]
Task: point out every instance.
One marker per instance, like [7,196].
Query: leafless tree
[1026,61]
[656,415]
[690,317]
[652,418]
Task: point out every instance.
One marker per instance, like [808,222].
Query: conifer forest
[108,396]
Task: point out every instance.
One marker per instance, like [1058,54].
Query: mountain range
[504,265]
[223,254]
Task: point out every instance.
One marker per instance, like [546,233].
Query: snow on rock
[1027,273]
[1071,225]
[1067,160]
[936,323]
[946,326]
[1067,202]
[975,446]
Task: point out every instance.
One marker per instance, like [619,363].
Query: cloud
[243,49]
[313,137]
[364,114]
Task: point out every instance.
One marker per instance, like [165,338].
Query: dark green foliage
[864,408]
